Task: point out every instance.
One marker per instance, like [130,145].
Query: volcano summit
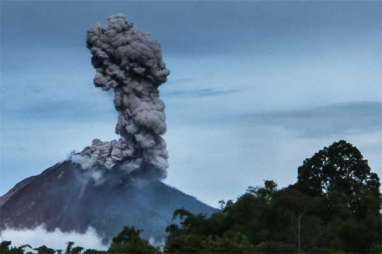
[110,184]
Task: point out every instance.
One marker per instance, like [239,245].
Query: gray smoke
[130,63]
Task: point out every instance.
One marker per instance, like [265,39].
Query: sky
[255,87]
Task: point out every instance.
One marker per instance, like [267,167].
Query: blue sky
[255,87]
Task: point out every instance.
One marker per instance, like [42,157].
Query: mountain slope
[65,197]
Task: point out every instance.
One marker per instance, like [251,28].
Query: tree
[76,250]
[44,250]
[4,246]
[340,169]
[69,247]
[91,251]
[350,200]
[298,205]
[265,193]
[232,230]
[6,249]
[129,241]
[230,242]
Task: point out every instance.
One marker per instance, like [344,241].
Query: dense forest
[334,207]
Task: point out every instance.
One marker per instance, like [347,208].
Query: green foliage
[5,248]
[45,250]
[69,247]
[91,251]
[341,174]
[229,243]
[274,247]
[334,207]
[129,241]
[348,192]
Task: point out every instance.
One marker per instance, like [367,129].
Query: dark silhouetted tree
[45,250]
[129,241]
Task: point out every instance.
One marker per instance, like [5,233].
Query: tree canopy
[334,206]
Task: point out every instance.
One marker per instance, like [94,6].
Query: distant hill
[64,197]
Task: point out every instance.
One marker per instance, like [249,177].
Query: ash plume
[129,63]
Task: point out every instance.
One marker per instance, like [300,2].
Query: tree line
[334,207]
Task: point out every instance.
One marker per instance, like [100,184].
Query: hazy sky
[255,87]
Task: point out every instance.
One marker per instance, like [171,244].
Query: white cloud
[56,239]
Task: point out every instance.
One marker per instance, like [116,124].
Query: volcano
[111,184]
[65,197]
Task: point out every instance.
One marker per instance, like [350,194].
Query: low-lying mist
[56,239]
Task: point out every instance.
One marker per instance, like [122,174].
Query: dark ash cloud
[129,63]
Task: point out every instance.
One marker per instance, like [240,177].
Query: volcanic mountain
[66,197]
[110,184]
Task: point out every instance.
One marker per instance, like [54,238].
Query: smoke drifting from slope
[130,63]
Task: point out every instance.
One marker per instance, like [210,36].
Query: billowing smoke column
[130,63]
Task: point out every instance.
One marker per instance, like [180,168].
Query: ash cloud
[129,63]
